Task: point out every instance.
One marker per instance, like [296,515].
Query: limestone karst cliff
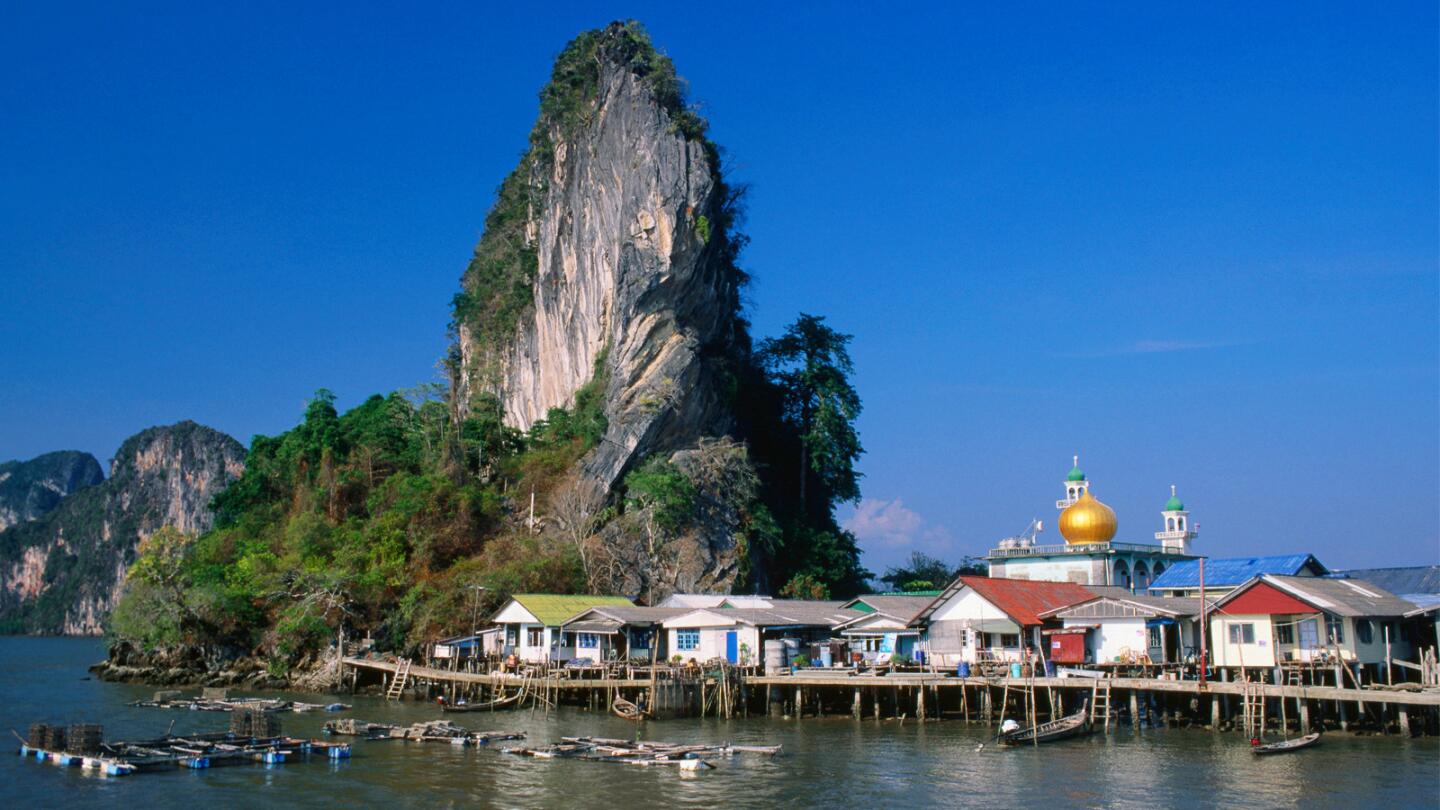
[62,572]
[620,208]
[608,261]
[29,489]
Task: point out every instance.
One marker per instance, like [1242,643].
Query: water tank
[775,661]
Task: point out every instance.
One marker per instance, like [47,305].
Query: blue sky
[1195,246]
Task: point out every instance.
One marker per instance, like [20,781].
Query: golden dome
[1088,521]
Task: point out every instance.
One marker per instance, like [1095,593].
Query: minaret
[1075,486]
[1178,531]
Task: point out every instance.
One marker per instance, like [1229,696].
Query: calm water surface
[826,763]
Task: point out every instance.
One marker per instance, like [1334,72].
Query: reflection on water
[835,762]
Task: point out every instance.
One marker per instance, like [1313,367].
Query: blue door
[732,647]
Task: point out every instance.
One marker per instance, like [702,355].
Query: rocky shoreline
[192,665]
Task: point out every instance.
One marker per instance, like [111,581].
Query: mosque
[1090,556]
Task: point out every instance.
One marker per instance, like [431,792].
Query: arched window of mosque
[1363,631]
[1170,522]
[1182,524]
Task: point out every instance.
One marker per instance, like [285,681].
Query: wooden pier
[927,696]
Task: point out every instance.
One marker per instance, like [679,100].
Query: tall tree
[811,365]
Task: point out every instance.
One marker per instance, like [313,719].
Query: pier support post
[855,704]
[875,695]
[1340,704]
[1404,712]
[1135,709]
[799,702]
[920,704]
[1304,716]
[776,700]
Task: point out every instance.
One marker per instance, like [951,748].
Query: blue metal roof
[1232,571]
[1408,580]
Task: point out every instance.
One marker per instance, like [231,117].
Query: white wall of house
[1260,652]
[712,641]
[1304,645]
[966,604]
[1114,638]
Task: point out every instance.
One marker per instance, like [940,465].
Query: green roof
[553,609]
[1075,474]
[1174,505]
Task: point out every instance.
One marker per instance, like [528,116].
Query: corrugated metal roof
[1343,597]
[1231,571]
[627,614]
[1415,579]
[553,609]
[900,606]
[787,613]
[1127,605]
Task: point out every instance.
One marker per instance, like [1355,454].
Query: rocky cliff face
[62,573]
[607,260]
[29,489]
[620,202]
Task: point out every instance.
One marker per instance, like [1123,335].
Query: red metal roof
[1023,599]
[1264,599]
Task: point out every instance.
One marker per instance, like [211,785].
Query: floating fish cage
[82,746]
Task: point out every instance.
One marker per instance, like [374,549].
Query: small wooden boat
[1073,725]
[626,710]
[1287,746]
[487,706]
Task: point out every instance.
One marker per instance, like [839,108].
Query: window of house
[589,640]
[1156,636]
[1364,631]
[1335,629]
[1242,633]
[1407,635]
[512,635]
[1285,633]
[687,640]
[1009,640]
[534,636]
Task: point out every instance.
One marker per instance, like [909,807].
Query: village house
[1274,620]
[530,624]
[458,650]
[620,632]
[884,627]
[1125,628]
[980,619]
[737,635]
[1224,574]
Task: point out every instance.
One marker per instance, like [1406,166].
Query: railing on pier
[1081,548]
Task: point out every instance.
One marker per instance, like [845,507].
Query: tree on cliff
[801,420]
[811,365]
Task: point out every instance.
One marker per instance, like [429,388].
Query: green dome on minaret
[1075,473]
[1174,504]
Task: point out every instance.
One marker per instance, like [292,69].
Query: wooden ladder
[397,684]
[1100,702]
[1252,717]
